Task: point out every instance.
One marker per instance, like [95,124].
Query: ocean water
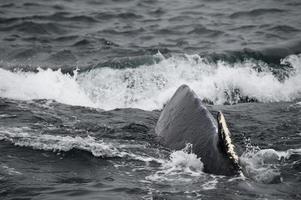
[82,85]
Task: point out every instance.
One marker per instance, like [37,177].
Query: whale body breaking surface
[185,120]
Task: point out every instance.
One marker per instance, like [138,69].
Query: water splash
[262,165]
[182,166]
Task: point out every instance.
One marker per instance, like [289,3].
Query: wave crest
[150,86]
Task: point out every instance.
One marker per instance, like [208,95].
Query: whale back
[184,120]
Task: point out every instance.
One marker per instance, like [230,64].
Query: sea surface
[83,82]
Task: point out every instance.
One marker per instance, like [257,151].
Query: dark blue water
[82,84]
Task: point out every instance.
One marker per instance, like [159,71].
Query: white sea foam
[261,165]
[149,87]
[24,137]
[45,84]
[210,184]
[9,170]
[20,137]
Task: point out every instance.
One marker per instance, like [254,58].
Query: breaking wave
[149,86]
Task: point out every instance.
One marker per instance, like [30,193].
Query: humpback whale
[184,119]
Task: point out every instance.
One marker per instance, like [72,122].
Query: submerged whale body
[185,119]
